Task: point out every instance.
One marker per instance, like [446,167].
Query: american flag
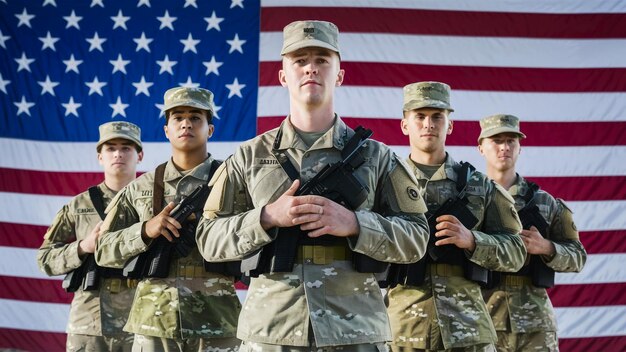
[68,66]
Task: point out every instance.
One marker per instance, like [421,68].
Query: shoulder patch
[562,203]
[503,191]
[406,190]
[215,201]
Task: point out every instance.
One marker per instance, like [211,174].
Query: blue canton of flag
[67,67]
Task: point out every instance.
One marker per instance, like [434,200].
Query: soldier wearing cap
[518,303]
[323,303]
[98,314]
[190,309]
[436,304]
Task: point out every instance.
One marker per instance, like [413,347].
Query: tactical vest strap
[96,196]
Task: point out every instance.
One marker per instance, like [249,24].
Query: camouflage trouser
[483,347]
[534,341]
[247,346]
[88,343]
[144,343]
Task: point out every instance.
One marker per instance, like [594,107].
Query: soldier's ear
[340,76]
[450,126]
[281,78]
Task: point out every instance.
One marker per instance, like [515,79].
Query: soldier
[97,313]
[190,309]
[323,301]
[437,304]
[518,304]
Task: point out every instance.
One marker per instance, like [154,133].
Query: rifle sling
[98,202]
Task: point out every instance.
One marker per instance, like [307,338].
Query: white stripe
[386,102]
[599,269]
[37,316]
[579,322]
[82,156]
[524,6]
[32,209]
[27,259]
[467,51]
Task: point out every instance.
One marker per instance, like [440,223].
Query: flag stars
[160,107]
[47,86]
[190,44]
[119,64]
[95,86]
[142,87]
[190,3]
[235,89]
[95,43]
[144,2]
[3,84]
[212,66]
[143,42]
[166,65]
[49,2]
[167,21]
[24,63]
[96,2]
[48,42]
[3,40]
[71,107]
[72,64]
[24,19]
[213,22]
[120,20]
[189,83]
[235,44]
[119,108]
[72,20]
[217,109]
[23,107]
[236,3]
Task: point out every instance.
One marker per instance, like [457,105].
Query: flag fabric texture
[68,66]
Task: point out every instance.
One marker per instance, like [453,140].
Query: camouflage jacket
[337,304]
[101,312]
[449,311]
[526,308]
[178,306]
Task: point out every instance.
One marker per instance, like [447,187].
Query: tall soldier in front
[436,304]
[101,297]
[518,303]
[313,244]
[178,306]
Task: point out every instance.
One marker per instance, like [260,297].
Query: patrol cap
[426,95]
[195,97]
[501,123]
[304,34]
[119,129]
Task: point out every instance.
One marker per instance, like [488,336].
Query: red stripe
[26,340]
[588,295]
[460,23]
[510,79]
[48,182]
[584,188]
[598,242]
[21,235]
[594,344]
[466,132]
[34,290]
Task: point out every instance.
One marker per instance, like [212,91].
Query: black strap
[532,190]
[158,191]
[98,202]
[463,176]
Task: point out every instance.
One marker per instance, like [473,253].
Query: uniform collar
[107,193]
[445,171]
[201,171]
[520,187]
[337,136]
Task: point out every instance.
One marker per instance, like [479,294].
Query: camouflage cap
[304,34]
[195,97]
[119,129]
[501,123]
[426,95]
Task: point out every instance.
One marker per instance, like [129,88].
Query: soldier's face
[500,151]
[311,75]
[187,128]
[119,157]
[427,129]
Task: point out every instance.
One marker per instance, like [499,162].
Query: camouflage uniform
[100,312]
[190,303]
[448,311]
[521,311]
[314,305]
